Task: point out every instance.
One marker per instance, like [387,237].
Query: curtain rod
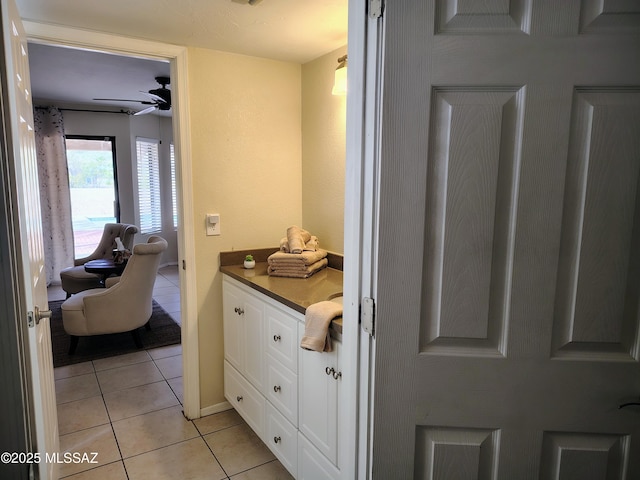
[123,112]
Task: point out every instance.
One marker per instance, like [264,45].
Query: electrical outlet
[213,224]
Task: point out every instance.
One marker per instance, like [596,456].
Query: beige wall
[246,150]
[323,152]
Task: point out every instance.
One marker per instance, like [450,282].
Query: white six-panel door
[508,322]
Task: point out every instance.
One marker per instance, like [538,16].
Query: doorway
[176,56]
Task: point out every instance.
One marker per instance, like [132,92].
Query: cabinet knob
[337,375]
[277,338]
[276,388]
[329,371]
[277,439]
[238,398]
[239,311]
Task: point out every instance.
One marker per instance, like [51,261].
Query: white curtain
[55,199]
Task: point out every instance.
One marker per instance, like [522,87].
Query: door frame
[364,110]
[177,56]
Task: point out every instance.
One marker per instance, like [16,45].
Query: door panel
[448,453]
[507,329]
[495,16]
[598,279]
[29,234]
[471,185]
[577,456]
[602,16]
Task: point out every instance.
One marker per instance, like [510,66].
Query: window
[91,166]
[174,198]
[149,207]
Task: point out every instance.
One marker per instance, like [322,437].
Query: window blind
[174,198]
[149,208]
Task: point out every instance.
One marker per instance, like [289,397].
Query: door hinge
[375,8]
[368,315]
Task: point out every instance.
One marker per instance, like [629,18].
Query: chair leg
[73,344]
[136,338]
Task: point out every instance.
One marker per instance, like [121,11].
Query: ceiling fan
[159,98]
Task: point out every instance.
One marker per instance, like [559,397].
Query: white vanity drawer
[282,439]
[282,337]
[281,389]
[244,398]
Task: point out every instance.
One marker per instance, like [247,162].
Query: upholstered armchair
[75,279]
[124,306]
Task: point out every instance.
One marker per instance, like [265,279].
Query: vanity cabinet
[319,386]
[289,396]
[243,322]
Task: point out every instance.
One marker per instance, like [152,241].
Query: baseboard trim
[217,408]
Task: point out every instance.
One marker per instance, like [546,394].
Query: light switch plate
[213,224]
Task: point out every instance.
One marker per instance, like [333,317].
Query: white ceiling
[65,76]
[288,30]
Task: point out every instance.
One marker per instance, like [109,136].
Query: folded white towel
[304,258]
[317,319]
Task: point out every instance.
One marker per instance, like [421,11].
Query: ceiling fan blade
[146,110]
[154,96]
[123,100]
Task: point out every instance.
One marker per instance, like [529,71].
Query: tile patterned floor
[129,410]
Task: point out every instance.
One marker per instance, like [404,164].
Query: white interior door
[29,234]
[508,292]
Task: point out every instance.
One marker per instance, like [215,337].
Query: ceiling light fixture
[340,79]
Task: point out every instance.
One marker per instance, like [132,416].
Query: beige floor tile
[138,400]
[170,307]
[121,360]
[162,282]
[129,376]
[98,440]
[269,471]
[153,430]
[186,460]
[163,352]
[175,316]
[160,290]
[170,367]
[73,370]
[113,471]
[177,385]
[168,297]
[238,449]
[218,421]
[81,414]
[76,388]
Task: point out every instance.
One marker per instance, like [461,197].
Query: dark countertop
[296,293]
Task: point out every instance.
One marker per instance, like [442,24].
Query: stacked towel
[297,265]
[311,246]
[317,319]
[297,238]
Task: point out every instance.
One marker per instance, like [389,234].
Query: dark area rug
[164,331]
